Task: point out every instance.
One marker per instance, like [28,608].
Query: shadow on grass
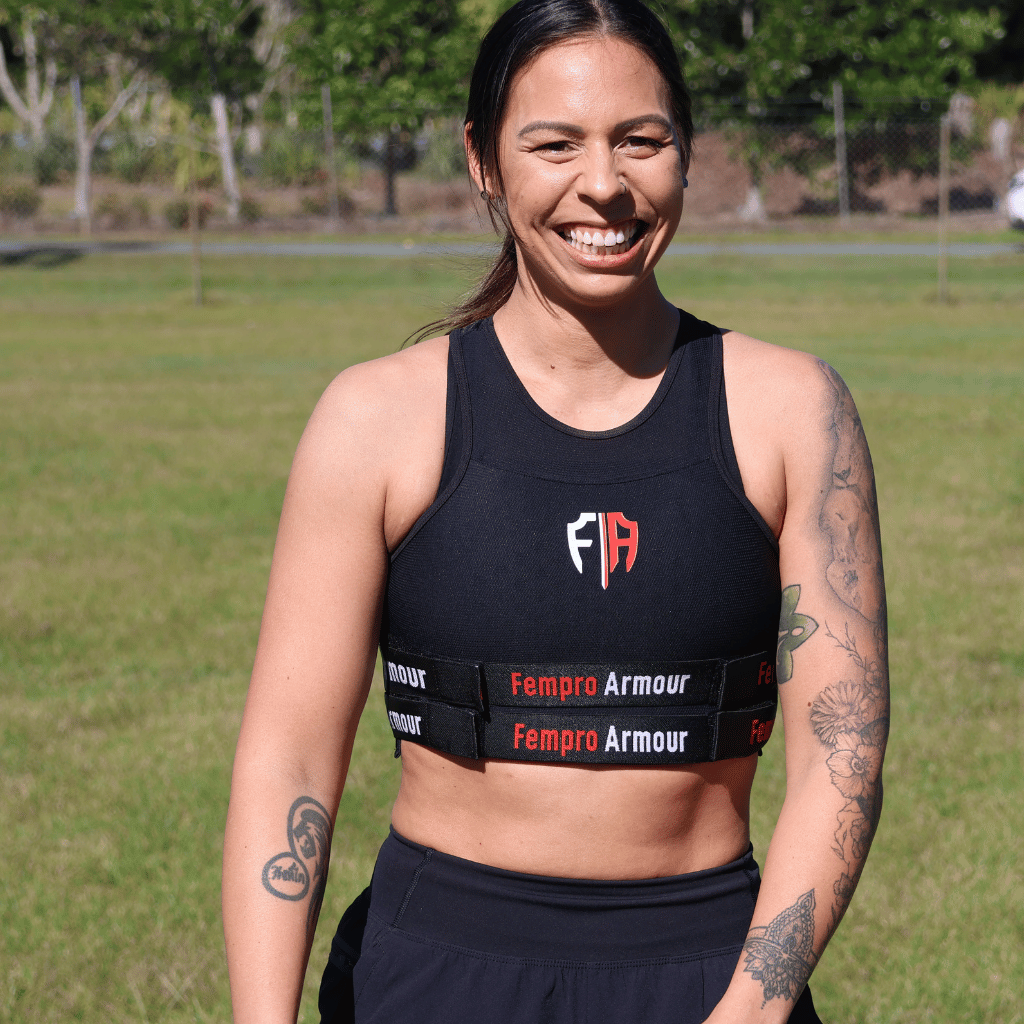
[58,254]
[43,257]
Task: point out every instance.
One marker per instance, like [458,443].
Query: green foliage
[391,64]
[892,50]
[250,210]
[319,204]
[445,156]
[20,200]
[54,161]
[992,101]
[176,212]
[202,47]
[292,158]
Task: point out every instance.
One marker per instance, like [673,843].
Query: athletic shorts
[437,939]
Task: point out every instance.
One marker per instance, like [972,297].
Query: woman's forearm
[813,865]
[276,856]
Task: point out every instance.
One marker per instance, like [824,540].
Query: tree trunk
[33,110]
[83,161]
[390,170]
[219,107]
[752,209]
[85,143]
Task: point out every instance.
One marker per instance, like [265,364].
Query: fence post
[332,170]
[842,174]
[944,208]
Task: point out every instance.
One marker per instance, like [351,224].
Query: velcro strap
[437,725]
[593,736]
[739,683]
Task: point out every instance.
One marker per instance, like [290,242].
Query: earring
[485,195]
[685,183]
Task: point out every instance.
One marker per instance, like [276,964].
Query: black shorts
[439,939]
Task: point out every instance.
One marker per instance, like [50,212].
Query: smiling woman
[594,559]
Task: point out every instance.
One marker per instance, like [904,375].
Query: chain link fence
[742,172]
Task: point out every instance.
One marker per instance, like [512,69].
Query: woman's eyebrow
[577,130]
[551,126]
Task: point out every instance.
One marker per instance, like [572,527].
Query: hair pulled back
[522,33]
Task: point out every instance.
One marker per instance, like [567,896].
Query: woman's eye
[641,142]
[554,147]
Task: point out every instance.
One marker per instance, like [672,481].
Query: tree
[1002,60]
[88,39]
[795,49]
[204,49]
[390,65]
[35,105]
[765,63]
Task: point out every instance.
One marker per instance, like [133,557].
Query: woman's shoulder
[378,430]
[782,382]
[386,395]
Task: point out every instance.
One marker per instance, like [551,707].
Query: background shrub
[20,200]
[250,210]
[318,204]
[176,213]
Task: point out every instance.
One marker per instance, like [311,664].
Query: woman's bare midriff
[571,821]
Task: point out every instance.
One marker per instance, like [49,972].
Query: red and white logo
[611,541]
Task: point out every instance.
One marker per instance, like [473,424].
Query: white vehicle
[1015,201]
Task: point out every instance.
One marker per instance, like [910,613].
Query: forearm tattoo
[781,956]
[303,869]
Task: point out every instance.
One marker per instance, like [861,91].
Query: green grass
[145,445]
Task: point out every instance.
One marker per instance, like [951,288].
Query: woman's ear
[473,160]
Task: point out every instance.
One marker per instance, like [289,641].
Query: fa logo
[608,525]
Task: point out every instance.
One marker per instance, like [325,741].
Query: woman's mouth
[605,241]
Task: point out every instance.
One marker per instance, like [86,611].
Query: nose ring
[625,187]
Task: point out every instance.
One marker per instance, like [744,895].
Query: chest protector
[601,597]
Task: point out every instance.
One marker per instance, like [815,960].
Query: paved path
[13,252]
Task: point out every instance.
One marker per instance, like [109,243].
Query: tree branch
[118,105]
[11,93]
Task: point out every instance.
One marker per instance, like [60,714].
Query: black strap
[640,713]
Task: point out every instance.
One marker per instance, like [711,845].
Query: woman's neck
[633,338]
[593,368]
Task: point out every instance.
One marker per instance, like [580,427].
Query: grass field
[145,445]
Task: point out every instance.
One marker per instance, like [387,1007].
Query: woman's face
[584,119]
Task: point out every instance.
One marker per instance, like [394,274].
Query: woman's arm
[310,681]
[833,685]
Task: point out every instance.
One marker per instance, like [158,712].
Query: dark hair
[515,39]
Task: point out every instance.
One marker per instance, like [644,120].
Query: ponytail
[490,295]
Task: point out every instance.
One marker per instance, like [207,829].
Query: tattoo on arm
[849,513]
[851,716]
[794,629]
[781,956]
[303,869]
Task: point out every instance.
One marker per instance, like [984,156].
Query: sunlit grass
[145,448]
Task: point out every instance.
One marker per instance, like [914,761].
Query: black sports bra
[597,597]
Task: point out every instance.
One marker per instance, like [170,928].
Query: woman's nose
[598,180]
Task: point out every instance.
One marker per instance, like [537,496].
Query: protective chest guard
[667,713]
[523,623]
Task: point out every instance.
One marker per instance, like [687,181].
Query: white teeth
[593,242]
